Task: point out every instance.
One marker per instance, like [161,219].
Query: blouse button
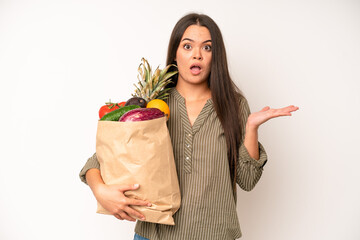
[187,145]
[187,158]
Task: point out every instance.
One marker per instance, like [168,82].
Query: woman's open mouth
[195,69]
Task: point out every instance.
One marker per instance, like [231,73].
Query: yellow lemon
[161,105]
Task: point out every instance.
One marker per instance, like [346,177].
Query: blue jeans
[138,237]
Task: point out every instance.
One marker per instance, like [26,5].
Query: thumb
[265,109]
[128,187]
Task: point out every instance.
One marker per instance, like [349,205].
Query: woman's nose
[197,54]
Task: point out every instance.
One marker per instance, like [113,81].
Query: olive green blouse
[208,204]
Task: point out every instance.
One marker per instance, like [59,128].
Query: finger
[130,210]
[282,114]
[290,108]
[287,109]
[265,109]
[138,202]
[277,113]
[287,112]
[127,217]
[294,108]
[118,216]
[124,188]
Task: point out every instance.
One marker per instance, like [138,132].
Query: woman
[214,137]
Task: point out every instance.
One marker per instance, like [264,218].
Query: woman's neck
[193,92]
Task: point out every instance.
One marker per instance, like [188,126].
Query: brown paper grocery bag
[140,152]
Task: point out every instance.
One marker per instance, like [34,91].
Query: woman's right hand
[113,199]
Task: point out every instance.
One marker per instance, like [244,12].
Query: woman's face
[193,55]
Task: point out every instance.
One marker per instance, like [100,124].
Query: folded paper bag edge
[151,214]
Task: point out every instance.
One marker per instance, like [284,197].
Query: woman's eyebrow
[188,39]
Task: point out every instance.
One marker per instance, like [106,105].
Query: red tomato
[106,109]
[121,104]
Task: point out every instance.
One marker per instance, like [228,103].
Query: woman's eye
[207,47]
[187,46]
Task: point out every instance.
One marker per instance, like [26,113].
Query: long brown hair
[225,94]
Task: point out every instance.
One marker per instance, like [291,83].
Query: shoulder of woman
[241,99]
[244,108]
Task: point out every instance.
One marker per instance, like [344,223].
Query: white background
[61,60]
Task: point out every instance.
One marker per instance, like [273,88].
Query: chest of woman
[199,147]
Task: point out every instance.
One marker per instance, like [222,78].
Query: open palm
[257,118]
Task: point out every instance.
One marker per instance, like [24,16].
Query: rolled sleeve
[246,158]
[92,162]
[248,169]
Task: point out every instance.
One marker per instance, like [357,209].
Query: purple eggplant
[141,114]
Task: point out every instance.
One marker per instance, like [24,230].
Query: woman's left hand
[257,118]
